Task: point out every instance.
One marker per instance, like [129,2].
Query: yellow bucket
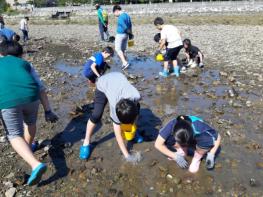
[128,131]
[159,57]
[131,43]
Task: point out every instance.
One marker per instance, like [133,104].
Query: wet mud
[228,98]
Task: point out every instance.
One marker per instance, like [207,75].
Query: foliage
[4,6]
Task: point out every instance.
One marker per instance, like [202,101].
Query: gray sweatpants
[15,117]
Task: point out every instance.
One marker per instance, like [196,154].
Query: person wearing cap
[96,65]
[103,22]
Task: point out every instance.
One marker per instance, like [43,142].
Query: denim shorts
[121,42]
[15,117]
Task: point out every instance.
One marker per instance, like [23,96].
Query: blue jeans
[103,30]
[25,35]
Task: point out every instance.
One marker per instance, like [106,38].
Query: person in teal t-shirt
[19,101]
[103,22]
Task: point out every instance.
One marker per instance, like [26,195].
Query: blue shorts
[207,140]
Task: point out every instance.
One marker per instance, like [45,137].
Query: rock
[228,133]
[177,180]
[10,192]
[9,176]
[46,148]
[169,176]
[3,139]
[248,103]
[231,93]
[252,182]
[237,105]
[8,184]
[223,74]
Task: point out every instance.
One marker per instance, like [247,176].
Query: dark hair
[3,46]
[97,6]
[183,132]
[158,21]
[127,111]
[2,23]
[109,50]
[16,38]
[157,37]
[27,18]
[187,42]
[15,49]
[116,7]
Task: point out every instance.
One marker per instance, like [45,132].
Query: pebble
[252,182]
[248,103]
[169,176]
[10,192]
[9,176]
[2,139]
[8,184]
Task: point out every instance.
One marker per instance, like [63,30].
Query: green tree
[3,6]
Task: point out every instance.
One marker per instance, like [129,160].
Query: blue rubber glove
[180,160]
[210,161]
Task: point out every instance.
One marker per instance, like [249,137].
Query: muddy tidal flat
[227,93]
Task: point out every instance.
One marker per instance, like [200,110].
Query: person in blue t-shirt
[185,132]
[6,32]
[96,65]
[124,32]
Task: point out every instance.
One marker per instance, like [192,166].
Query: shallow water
[197,92]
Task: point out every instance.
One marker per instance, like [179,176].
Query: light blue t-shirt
[124,23]
[8,33]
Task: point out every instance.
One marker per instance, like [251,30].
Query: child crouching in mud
[96,65]
[193,55]
[189,132]
[124,106]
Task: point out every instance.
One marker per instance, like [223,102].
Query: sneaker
[36,174]
[183,69]
[164,73]
[201,65]
[34,146]
[125,66]
[138,138]
[176,71]
[84,152]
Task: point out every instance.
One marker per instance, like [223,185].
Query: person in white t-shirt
[24,28]
[171,36]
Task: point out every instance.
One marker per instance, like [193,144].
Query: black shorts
[172,54]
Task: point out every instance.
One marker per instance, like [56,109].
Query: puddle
[199,95]
[68,68]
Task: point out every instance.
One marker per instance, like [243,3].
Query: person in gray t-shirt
[123,101]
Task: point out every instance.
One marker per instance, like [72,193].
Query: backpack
[105,15]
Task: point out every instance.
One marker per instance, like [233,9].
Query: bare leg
[89,130]
[166,66]
[174,63]
[29,133]
[22,148]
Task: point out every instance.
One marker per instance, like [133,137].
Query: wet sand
[227,93]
